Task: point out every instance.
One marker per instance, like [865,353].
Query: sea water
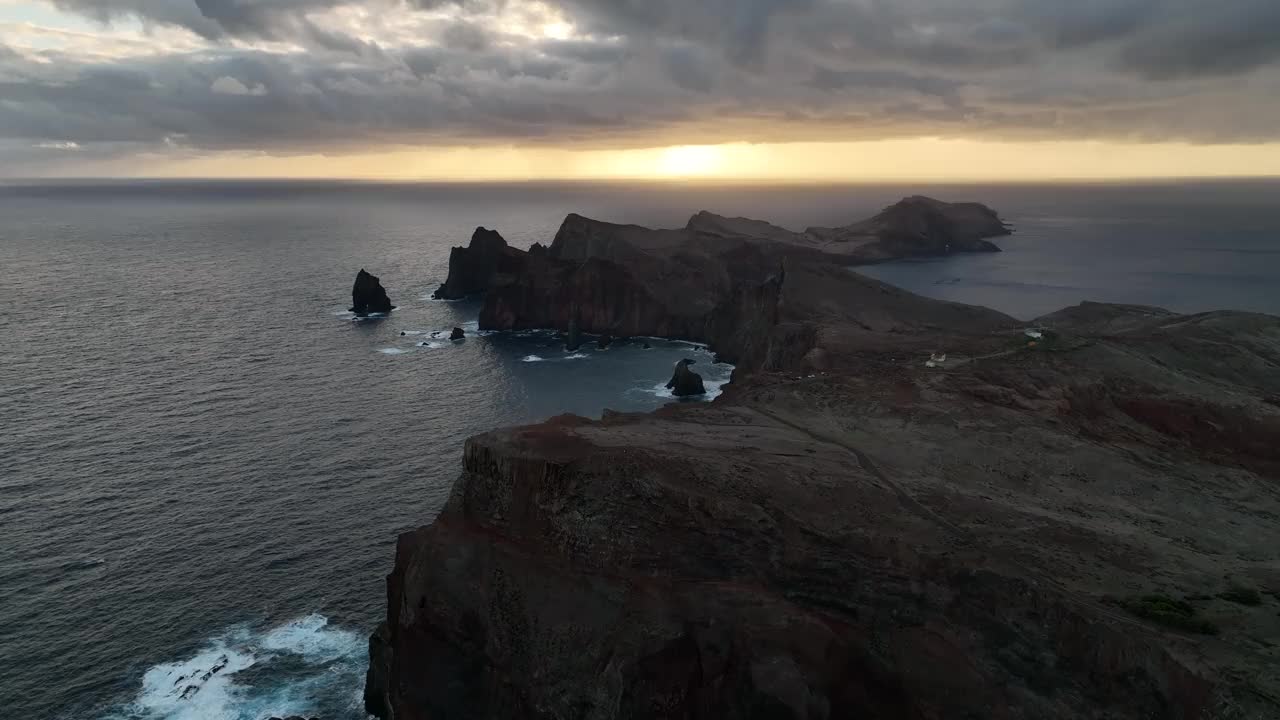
[205,459]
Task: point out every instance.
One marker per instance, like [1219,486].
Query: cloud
[1209,39]
[285,76]
[227,85]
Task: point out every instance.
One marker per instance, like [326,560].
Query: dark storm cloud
[1216,39]
[420,71]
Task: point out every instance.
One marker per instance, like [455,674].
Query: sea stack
[685,382]
[573,339]
[368,296]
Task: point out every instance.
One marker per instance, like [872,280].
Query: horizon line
[648,180]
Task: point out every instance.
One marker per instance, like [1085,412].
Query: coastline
[844,516]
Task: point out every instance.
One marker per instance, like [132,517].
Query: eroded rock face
[845,533]
[880,541]
[368,296]
[470,268]
[685,382]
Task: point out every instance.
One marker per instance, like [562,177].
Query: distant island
[899,508]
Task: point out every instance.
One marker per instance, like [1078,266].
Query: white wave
[392,351]
[206,687]
[199,688]
[312,638]
[539,358]
[658,342]
[431,345]
[413,332]
[714,389]
[472,327]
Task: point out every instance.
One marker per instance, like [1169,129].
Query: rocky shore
[1073,518]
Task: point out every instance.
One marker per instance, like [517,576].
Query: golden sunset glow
[691,161]
[544,89]
[904,160]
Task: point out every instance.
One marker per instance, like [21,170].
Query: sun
[689,160]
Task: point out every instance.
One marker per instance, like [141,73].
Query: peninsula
[899,508]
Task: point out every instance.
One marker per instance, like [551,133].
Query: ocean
[205,459]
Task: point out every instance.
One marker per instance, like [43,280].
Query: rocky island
[368,296]
[899,508]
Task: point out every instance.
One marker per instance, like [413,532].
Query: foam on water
[473,328]
[539,358]
[714,386]
[313,639]
[199,688]
[392,351]
[324,664]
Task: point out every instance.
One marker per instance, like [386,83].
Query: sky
[732,89]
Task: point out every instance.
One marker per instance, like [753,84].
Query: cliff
[691,282]
[917,226]
[714,280]
[470,267]
[1076,525]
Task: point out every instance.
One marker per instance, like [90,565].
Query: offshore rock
[368,296]
[685,382]
[470,268]
[457,334]
[573,337]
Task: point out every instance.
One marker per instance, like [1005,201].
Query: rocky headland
[1082,521]
[471,266]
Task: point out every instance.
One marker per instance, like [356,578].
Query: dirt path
[870,466]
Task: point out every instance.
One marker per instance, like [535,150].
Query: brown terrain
[1080,525]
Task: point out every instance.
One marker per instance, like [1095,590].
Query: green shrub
[1242,595]
[1166,611]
